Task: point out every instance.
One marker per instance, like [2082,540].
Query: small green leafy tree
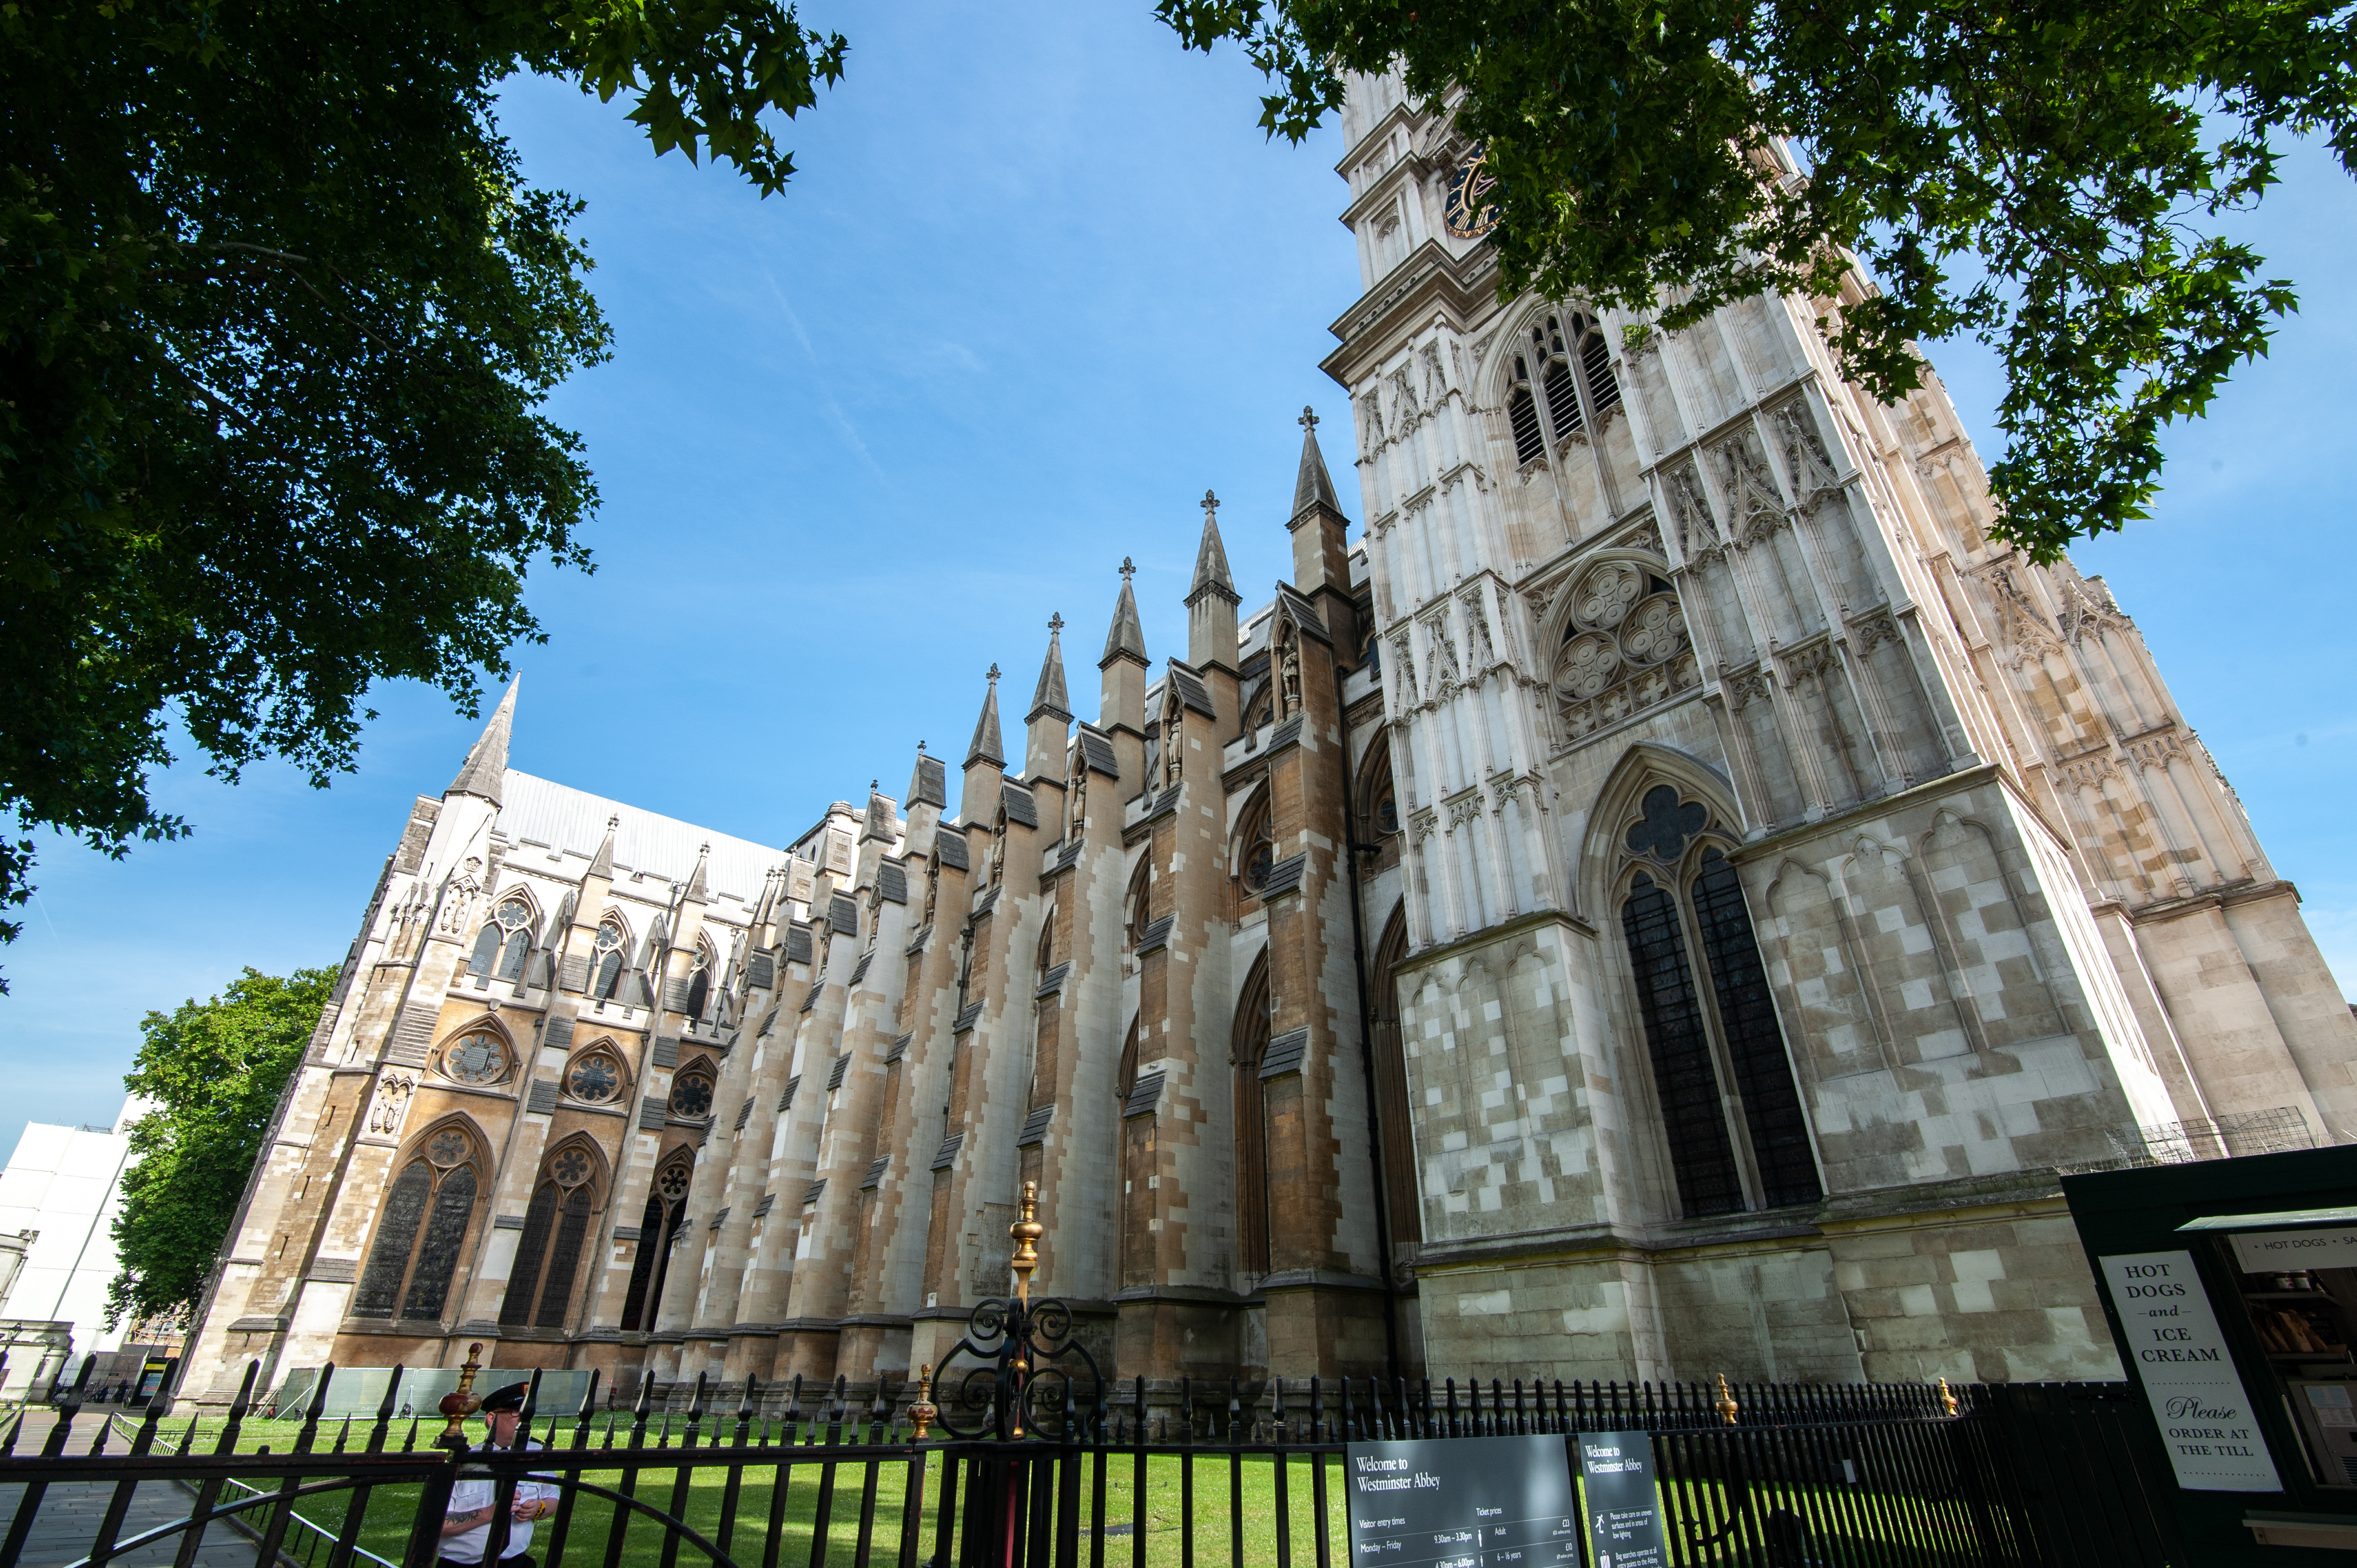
[2048,177]
[277,312]
[211,1073]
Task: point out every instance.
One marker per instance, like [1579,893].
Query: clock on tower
[1468,210]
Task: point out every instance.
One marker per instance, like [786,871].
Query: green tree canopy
[2048,177]
[277,309]
[212,1071]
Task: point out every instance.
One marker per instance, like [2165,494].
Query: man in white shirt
[466,1526]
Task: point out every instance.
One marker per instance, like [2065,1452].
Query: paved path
[69,1513]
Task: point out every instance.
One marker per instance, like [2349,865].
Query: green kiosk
[2231,1288]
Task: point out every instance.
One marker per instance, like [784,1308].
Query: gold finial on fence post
[460,1402]
[1725,1404]
[922,1412]
[1947,1400]
[1027,1232]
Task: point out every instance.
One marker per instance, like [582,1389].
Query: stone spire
[603,865]
[1211,603]
[986,747]
[486,768]
[1052,697]
[1127,639]
[1321,549]
[929,783]
[1212,558]
[697,891]
[1313,487]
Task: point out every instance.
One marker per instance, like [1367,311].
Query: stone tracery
[1625,648]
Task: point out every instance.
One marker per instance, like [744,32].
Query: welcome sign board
[1463,1502]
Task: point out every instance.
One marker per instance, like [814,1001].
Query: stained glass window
[570,1168]
[437,1253]
[658,1223]
[478,1058]
[396,1235]
[532,1252]
[1755,1045]
[505,942]
[607,960]
[1700,1152]
[565,1261]
[691,1095]
[448,1148]
[594,1079]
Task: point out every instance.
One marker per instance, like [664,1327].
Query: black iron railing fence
[1800,1475]
[1039,1458]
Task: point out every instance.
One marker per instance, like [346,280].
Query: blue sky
[1039,282]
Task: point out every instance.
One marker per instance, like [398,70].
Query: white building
[64,1186]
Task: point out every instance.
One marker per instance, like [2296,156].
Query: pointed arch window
[659,1228]
[606,962]
[1140,901]
[1395,1142]
[690,1092]
[1565,356]
[1248,1044]
[1256,848]
[596,1077]
[555,1229]
[504,945]
[1717,1051]
[421,1231]
[1755,1044]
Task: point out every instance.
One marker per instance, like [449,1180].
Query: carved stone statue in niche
[1289,688]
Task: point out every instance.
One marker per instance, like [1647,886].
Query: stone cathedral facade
[1664,902]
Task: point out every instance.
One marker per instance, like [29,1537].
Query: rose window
[594,1079]
[480,1058]
[570,1168]
[691,1095]
[446,1149]
[1624,650]
[673,1183]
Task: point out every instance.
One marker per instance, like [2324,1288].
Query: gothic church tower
[1795,875]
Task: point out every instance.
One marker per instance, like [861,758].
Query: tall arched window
[1254,849]
[1405,1207]
[1709,1022]
[658,1227]
[1140,900]
[555,1228]
[606,963]
[1375,799]
[1755,1044]
[1565,355]
[1248,1044]
[422,1230]
[504,943]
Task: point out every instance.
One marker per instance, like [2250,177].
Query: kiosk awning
[2285,1220]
